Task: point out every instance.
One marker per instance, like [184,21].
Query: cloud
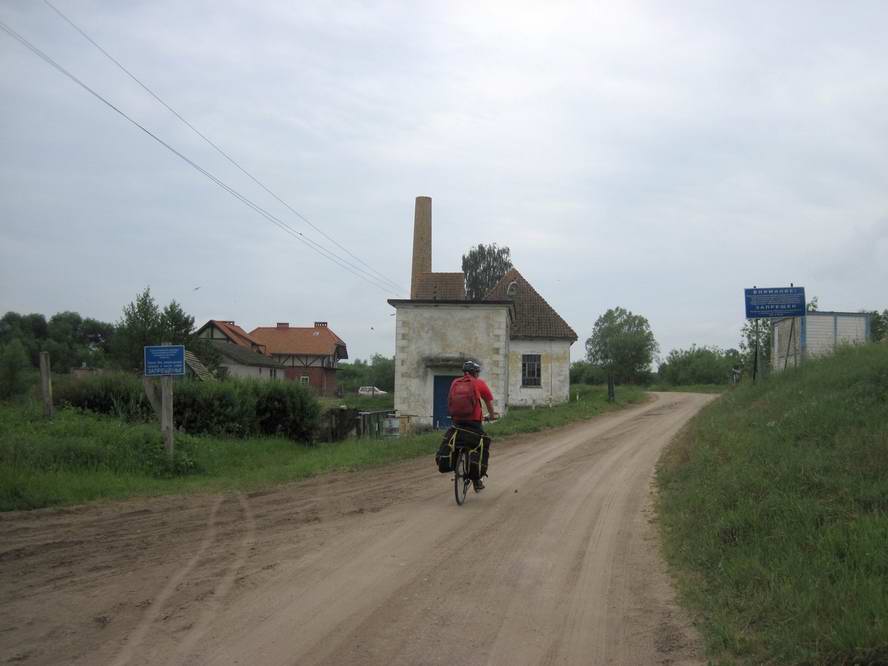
[658,157]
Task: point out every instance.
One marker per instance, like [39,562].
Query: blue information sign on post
[164,360]
[775,302]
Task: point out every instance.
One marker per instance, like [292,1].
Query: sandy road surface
[554,563]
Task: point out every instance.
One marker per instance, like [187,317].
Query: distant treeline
[682,367]
[74,341]
[379,371]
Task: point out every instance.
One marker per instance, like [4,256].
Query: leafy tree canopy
[378,372]
[698,365]
[879,325]
[144,323]
[484,265]
[623,344]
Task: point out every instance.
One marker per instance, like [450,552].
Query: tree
[382,372]
[143,323]
[30,330]
[379,371]
[484,266]
[623,344]
[698,365]
[176,325]
[14,365]
[584,372]
[879,325]
[350,376]
[748,336]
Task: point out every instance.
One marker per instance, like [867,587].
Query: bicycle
[462,476]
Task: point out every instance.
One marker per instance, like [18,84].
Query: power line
[216,147]
[320,249]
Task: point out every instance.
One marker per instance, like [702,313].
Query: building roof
[317,340]
[244,355]
[198,368]
[234,333]
[533,316]
[440,286]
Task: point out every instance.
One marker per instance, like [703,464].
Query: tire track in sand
[135,639]
[188,643]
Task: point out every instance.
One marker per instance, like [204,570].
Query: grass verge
[78,456]
[773,507]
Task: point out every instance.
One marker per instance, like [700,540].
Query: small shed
[795,339]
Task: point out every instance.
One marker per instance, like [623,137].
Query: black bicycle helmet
[472,367]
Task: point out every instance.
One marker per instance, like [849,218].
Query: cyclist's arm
[490,412]
[486,397]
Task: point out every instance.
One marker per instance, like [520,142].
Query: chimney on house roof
[320,324]
[283,324]
[422,241]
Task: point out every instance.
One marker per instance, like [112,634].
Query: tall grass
[80,456]
[774,511]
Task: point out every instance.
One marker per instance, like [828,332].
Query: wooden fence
[338,424]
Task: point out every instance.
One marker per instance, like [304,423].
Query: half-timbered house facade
[309,355]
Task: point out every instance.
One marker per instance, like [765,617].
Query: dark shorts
[474,426]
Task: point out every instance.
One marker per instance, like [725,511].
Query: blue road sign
[775,302]
[164,360]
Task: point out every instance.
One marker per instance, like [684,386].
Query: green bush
[238,408]
[698,365]
[286,408]
[14,367]
[117,393]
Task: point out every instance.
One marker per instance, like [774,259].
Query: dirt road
[554,563]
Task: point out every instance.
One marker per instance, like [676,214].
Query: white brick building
[522,344]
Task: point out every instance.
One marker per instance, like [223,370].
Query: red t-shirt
[482,391]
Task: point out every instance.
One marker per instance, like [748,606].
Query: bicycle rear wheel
[461,478]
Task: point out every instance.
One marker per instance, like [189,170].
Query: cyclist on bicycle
[464,403]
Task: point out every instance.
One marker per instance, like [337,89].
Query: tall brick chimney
[422,241]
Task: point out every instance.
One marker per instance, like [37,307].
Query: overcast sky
[657,156]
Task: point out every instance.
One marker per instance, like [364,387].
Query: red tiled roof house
[309,355]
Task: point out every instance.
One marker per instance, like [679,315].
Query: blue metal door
[440,419]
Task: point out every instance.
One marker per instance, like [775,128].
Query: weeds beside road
[79,457]
[774,513]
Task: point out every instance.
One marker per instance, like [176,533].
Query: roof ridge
[544,323]
[235,330]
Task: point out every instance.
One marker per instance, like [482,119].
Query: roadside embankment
[773,507]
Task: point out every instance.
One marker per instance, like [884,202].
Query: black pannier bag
[479,456]
[479,451]
[445,457]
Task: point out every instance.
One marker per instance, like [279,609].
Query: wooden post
[755,364]
[46,384]
[150,386]
[611,389]
[788,344]
[166,413]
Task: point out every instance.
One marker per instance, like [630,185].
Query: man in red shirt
[482,392]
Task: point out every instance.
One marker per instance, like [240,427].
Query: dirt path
[554,563]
